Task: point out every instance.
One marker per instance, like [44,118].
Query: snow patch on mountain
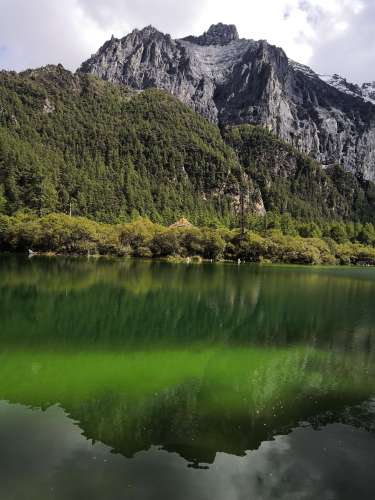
[368,91]
[306,70]
[365,91]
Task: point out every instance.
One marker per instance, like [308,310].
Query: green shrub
[63,234]
[165,243]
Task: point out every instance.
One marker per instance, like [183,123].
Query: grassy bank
[273,239]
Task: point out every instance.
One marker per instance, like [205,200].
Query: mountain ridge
[231,80]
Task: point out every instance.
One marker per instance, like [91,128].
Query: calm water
[139,380]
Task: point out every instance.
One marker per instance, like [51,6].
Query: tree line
[273,238]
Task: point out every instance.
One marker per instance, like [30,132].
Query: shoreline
[180,260]
[60,234]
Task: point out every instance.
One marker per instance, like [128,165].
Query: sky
[331,36]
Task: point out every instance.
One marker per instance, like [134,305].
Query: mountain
[75,143]
[291,182]
[365,91]
[234,81]
[368,91]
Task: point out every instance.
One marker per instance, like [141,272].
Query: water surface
[146,380]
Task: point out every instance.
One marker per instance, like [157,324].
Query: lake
[129,379]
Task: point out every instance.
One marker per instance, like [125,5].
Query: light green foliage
[3,200]
[367,234]
[293,242]
[337,231]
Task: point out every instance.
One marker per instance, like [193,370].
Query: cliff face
[234,81]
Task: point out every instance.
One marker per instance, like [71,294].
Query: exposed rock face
[183,223]
[231,80]
[366,91]
[48,106]
[219,34]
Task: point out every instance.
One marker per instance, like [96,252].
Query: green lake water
[143,380]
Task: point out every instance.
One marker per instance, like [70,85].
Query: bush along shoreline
[273,238]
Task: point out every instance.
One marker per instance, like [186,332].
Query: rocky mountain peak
[149,32]
[231,80]
[218,34]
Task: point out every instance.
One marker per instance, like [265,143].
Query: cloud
[334,36]
[41,31]
[168,15]
[350,51]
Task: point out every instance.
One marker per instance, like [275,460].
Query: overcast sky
[332,36]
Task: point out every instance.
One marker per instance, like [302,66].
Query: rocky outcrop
[231,80]
[368,91]
[219,34]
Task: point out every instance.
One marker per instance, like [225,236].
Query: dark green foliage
[75,143]
[291,182]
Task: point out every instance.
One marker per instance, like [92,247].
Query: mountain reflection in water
[130,379]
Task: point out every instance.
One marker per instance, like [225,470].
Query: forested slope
[75,141]
[75,144]
[294,183]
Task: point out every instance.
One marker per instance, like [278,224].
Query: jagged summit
[149,31]
[232,80]
[218,34]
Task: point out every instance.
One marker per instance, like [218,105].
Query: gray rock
[48,106]
[231,81]
[218,34]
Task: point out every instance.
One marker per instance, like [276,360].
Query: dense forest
[91,167]
[71,143]
[294,183]
[75,143]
